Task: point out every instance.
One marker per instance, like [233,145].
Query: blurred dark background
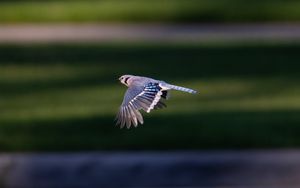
[59,90]
[65,97]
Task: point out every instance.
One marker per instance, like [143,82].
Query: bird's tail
[179,88]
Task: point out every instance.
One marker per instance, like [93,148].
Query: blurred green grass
[148,11]
[64,97]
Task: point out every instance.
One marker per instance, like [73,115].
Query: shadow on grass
[214,130]
[181,62]
[198,61]
[78,81]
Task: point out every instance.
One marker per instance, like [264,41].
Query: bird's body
[143,93]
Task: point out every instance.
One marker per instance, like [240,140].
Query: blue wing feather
[137,98]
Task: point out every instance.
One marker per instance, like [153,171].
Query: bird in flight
[143,94]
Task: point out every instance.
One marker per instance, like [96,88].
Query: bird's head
[125,79]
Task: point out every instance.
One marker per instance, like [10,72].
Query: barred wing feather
[137,98]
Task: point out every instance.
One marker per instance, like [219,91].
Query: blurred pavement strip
[26,33]
[278,168]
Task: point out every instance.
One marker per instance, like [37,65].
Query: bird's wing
[146,97]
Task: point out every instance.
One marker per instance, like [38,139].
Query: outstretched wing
[137,98]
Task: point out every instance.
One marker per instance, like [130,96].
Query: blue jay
[143,94]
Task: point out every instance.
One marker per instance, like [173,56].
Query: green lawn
[64,97]
[148,11]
